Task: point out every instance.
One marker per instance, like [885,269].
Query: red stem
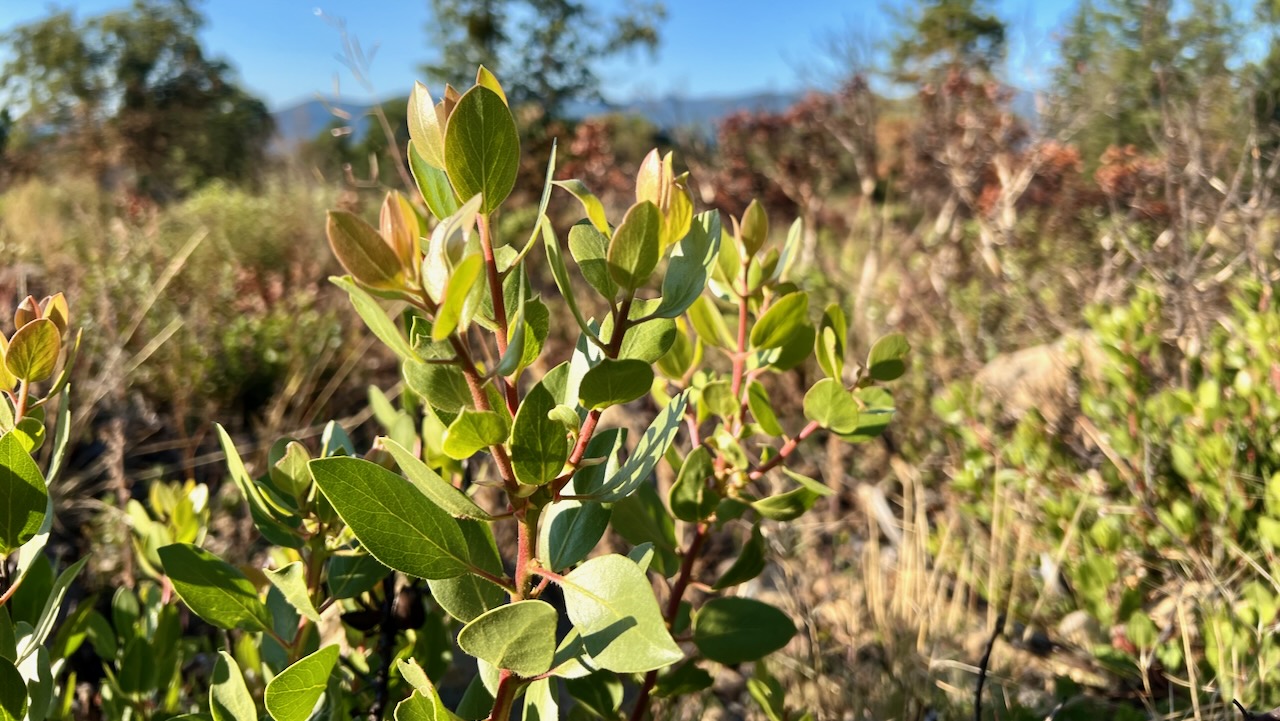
[787,449]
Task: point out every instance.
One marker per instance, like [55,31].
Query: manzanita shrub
[502,469]
[35,363]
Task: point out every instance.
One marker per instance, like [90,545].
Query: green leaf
[351,574]
[887,359]
[539,445]
[363,252]
[599,693]
[229,698]
[520,637]
[292,582]
[640,518]
[442,386]
[34,640]
[474,431]
[434,185]
[486,78]
[614,382]
[213,589]
[734,630]
[647,341]
[709,323]
[685,680]
[466,596]
[590,249]
[264,517]
[591,205]
[590,480]
[424,704]
[24,499]
[755,228]
[653,444]
[461,297]
[611,603]
[440,492]
[691,498]
[786,317]
[394,518]
[569,530]
[376,319]
[540,702]
[482,148]
[293,694]
[425,133]
[877,410]
[794,503]
[560,273]
[691,265]
[832,337]
[762,409]
[831,406]
[633,253]
[33,351]
[13,692]
[750,562]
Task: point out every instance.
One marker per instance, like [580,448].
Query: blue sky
[285,50]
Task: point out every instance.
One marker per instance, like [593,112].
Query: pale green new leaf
[691,265]
[462,296]
[591,205]
[887,359]
[376,318]
[33,351]
[831,406]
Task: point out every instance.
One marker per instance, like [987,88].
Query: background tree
[941,36]
[546,50]
[131,96]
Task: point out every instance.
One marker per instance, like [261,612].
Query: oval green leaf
[24,499]
[394,518]
[785,318]
[482,148]
[362,251]
[887,359]
[611,603]
[520,637]
[831,406]
[539,445]
[634,251]
[229,698]
[473,431]
[213,589]
[33,351]
[614,382]
[735,630]
[293,695]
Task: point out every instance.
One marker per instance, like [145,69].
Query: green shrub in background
[495,487]
[1161,499]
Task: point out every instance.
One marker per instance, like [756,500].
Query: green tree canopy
[132,92]
[944,35]
[544,50]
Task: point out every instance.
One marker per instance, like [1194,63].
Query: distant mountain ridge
[307,119]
